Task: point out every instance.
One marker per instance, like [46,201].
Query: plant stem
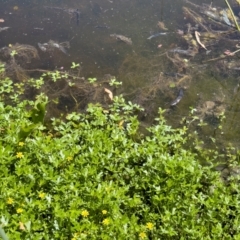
[234,19]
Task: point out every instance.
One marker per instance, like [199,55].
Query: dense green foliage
[92,176]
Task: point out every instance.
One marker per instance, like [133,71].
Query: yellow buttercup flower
[42,195]
[142,235]
[10,201]
[106,221]
[104,212]
[21,144]
[85,213]
[75,236]
[19,210]
[19,155]
[149,225]
[69,158]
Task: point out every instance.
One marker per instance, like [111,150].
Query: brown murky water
[148,74]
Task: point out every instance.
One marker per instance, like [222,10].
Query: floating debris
[77,13]
[178,99]
[188,52]
[43,47]
[4,29]
[180,32]
[37,28]
[102,26]
[59,46]
[52,44]
[110,94]
[157,35]
[122,38]
[197,35]
[225,18]
[161,25]
[216,15]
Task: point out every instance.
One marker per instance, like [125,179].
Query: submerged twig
[197,34]
[110,94]
[222,57]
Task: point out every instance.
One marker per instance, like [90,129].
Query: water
[142,66]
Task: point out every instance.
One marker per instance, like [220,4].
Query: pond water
[151,75]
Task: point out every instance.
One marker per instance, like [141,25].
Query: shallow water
[140,65]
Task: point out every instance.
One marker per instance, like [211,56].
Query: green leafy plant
[75,65]
[2,68]
[93,175]
[114,82]
[92,80]
[13,53]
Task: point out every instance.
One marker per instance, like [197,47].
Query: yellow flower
[106,221]
[10,201]
[21,144]
[142,235]
[85,213]
[75,236]
[41,195]
[19,210]
[69,158]
[149,225]
[104,212]
[19,155]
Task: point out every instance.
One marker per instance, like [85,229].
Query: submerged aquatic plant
[16,57]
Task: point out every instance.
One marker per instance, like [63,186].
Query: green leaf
[3,234]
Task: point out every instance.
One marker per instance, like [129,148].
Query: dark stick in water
[77,16]
[178,99]
[102,26]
